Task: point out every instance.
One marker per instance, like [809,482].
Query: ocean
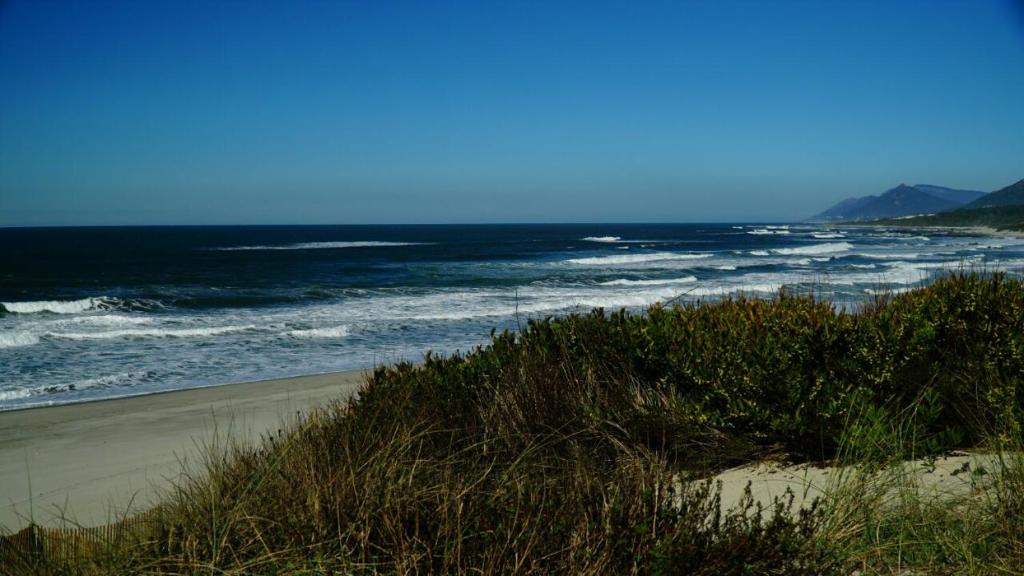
[89,313]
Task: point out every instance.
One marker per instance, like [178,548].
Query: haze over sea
[91,313]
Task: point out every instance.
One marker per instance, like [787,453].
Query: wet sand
[91,462]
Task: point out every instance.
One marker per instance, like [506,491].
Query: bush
[571,448]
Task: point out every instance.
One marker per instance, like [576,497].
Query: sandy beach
[90,462]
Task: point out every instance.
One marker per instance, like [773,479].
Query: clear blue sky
[375,111]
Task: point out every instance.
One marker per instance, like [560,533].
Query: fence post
[35,545]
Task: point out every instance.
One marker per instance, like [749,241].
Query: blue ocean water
[103,312]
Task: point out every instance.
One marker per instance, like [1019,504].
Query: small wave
[813,249]
[17,339]
[768,231]
[321,245]
[152,333]
[605,239]
[828,235]
[60,306]
[112,380]
[759,253]
[635,259]
[663,282]
[333,332]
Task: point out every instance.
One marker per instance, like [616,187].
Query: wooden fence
[36,548]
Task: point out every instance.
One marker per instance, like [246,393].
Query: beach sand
[90,462]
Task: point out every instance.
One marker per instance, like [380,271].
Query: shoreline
[957,230]
[5,410]
[87,463]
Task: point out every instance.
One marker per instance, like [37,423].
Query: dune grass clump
[579,445]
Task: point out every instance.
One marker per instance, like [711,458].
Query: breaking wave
[61,306]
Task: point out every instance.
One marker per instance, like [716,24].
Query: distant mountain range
[927,205]
[1002,209]
[900,201]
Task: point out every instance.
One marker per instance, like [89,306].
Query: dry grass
[558,450]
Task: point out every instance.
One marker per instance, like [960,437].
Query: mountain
[1002,209]
[1012,195]
[902,200]
[951,194]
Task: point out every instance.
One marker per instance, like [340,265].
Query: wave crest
[60,306]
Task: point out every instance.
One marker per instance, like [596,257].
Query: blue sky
[410,112]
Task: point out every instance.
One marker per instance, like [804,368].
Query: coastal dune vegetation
[589,444]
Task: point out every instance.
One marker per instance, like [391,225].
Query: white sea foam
[759,253]
[60,306]
[828,235]
[17,339]
[8,395]
[332,332]
[659,282]
[606,239]
[768,230]
[152,333]
[321,245]
[814,249]
[619,260]
[108,320]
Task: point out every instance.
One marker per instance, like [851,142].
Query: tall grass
[578,445]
